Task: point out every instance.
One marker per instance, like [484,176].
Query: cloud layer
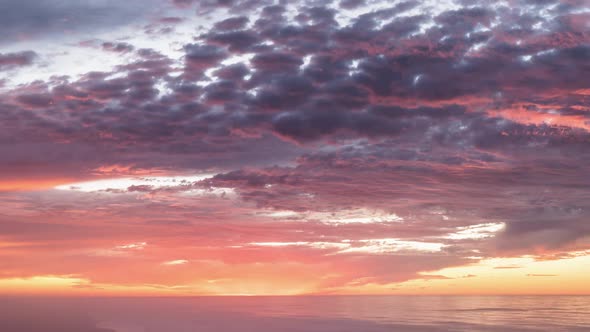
[344,144]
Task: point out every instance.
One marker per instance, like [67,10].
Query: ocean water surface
[297,314]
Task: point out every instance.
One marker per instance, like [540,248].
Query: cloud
[34,19]
[15,60]
[117,47]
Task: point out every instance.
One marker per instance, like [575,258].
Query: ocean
[296,314]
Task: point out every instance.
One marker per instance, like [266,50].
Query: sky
[262,147]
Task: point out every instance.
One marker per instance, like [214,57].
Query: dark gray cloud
[117,47]
[15,60]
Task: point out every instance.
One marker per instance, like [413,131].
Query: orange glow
[491,276]
[500,276]
[123,170]
[521,115]
[167,262]
[31,184]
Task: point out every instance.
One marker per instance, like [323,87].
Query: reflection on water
[297,314]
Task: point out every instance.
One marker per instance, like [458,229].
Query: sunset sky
[271,147]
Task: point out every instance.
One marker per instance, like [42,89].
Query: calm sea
[297,314]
